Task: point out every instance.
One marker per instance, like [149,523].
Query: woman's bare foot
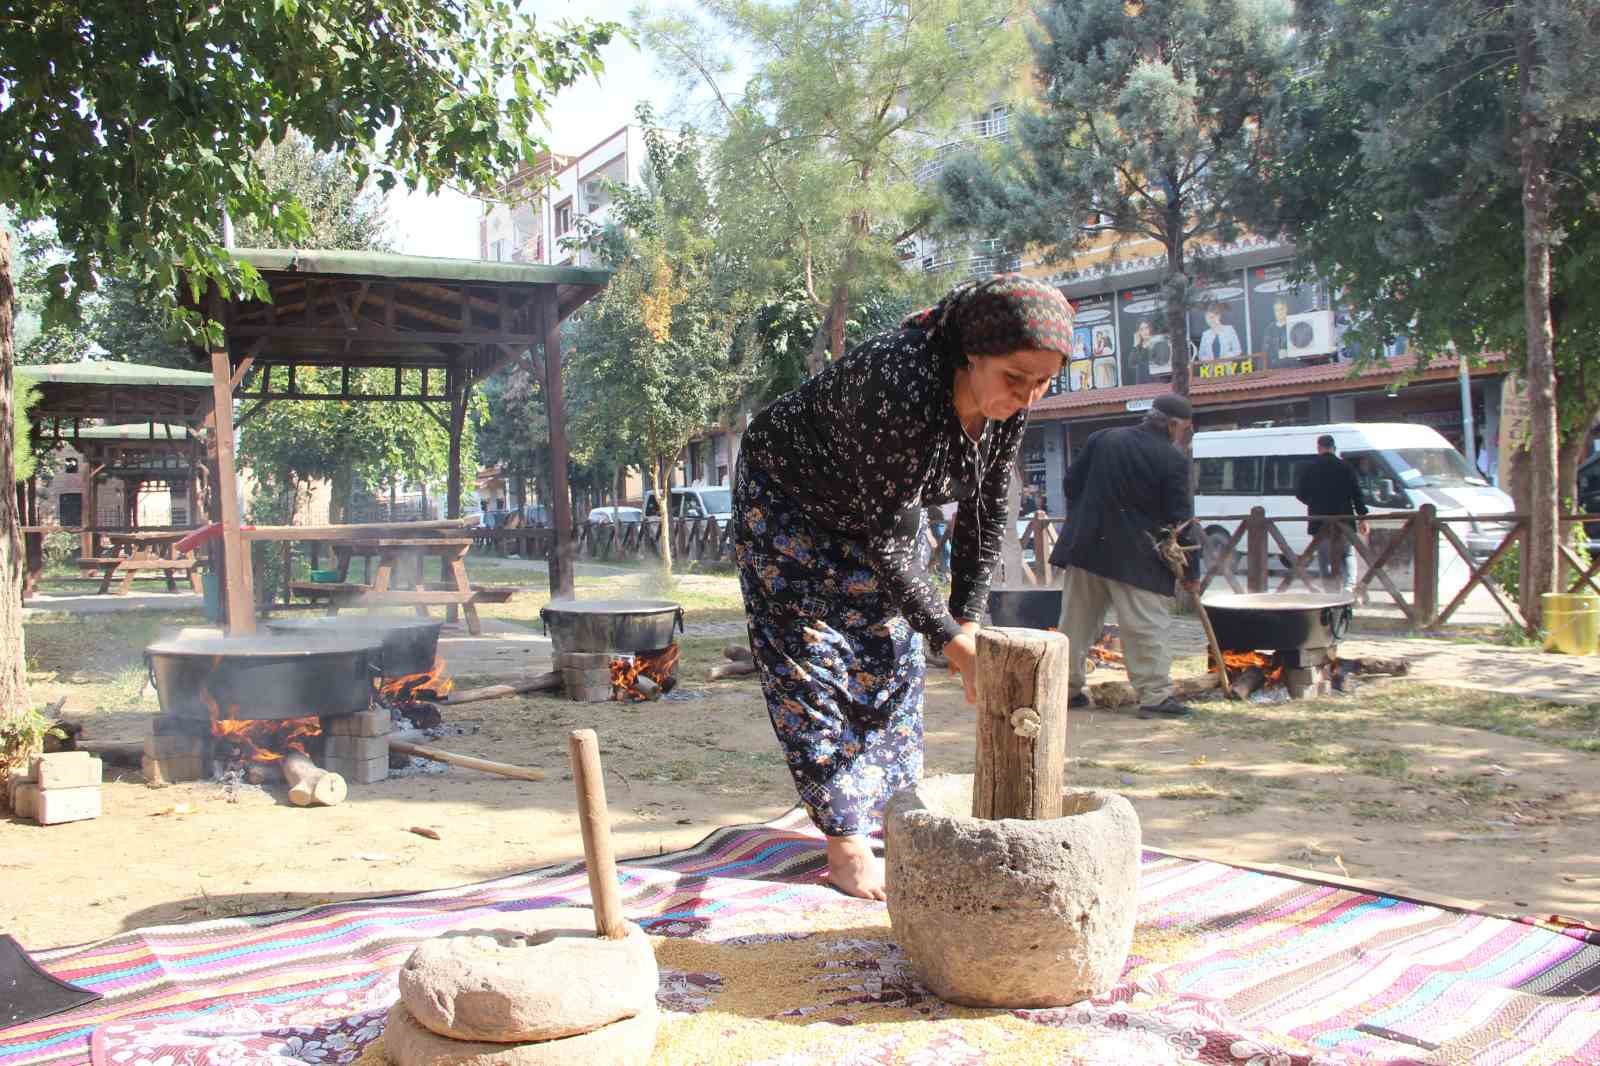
[853,869]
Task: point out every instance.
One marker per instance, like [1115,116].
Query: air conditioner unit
[1311,334]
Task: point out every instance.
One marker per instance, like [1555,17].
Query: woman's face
[1213,319]
[1143,332]
[1002,385]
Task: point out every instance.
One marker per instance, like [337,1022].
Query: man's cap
[1326,441]
[1173,406]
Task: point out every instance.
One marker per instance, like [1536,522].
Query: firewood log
[733,669]
[548,682]
[1375,665]
[310,785]
[739,653]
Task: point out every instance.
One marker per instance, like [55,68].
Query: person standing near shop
[1124,490]
[1329,487]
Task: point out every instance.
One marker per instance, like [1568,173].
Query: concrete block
[25,800]
[68,773]
[59,805]
[174,747]
[54,758]
[374,723]
[174,770]
[355,749]
[359,771]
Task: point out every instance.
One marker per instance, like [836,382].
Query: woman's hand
[962,653]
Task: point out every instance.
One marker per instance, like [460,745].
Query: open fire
[644,675]
[432,684]
[1240,663]
[266,740]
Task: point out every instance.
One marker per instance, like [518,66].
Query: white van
[694,501]
[1400,466]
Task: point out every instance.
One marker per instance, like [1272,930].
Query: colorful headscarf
[996,316]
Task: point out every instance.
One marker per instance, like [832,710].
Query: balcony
[993,125]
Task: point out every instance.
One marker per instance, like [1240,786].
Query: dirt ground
[1412,787]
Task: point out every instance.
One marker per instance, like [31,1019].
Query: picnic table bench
[137,554]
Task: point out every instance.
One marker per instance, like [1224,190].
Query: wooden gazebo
[439,325]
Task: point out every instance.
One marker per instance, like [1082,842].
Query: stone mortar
[1012,913]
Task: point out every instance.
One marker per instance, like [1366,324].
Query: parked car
[694,501]
[620,516]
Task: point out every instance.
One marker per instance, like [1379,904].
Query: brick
[583,689]
[174,770]
[375,723]
[73,773]
[356,749]
[25,799]
[54,758]
[584,660]
[174,747]
[359,771]
[59,805]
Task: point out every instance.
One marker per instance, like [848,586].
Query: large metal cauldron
[1279,621]
[611,625]
[263,677]
[410,645]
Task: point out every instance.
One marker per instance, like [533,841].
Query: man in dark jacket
[1124,490]
[1329,486]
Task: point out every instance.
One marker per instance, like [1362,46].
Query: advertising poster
[1142,335]
[1095,318]
[1217,321]
[1273,298]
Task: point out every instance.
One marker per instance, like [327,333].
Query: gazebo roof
[112,391]
[134,433]
[110,372]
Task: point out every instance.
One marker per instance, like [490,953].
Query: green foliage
[22,735]
[24,395]
[814,160]
[1146,131]
[134,133]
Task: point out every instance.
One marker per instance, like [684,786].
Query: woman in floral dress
[829,494]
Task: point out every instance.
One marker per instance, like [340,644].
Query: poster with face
[1273,298]
[1217,321]
[1081,372]
[1142,335]
[1097,315]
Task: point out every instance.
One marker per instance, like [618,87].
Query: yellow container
[1572,622]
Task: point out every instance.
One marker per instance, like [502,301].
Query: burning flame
[268,740]
[657,666]
[434,684]
[1238,661]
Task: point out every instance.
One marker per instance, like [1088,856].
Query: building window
[563,217]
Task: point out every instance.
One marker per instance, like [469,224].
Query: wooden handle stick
[595,822]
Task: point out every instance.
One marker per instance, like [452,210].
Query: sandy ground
[1347,788]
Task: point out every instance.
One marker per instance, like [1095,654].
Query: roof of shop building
[1282,382]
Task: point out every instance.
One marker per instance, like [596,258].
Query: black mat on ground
[27,993]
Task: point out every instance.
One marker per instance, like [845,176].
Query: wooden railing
[1400,559]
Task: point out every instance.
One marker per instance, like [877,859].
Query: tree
[1436,164]
[1146,130]
[815,158]
[133,134]
[651,354]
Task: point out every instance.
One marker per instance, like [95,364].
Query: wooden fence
[1400,559]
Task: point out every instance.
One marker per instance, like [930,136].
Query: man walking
[1124,490]
[1329,487]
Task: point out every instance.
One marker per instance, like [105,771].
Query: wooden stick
[468,762]
[595,822]
[548,682]
[1216,650]
[1022,723]
[736,668]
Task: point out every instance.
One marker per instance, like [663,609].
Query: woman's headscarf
[996,316]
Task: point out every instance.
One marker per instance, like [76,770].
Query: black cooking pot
[410,645]
[611,625]
[1278,622]
[264,677]
[1025,608]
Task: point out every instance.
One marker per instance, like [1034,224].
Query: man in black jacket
[1124,490]
[1329,486]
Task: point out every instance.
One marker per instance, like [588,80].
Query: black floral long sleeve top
[870,442]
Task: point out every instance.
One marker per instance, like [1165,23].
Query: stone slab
[57,805]
[173,770]
[406,1042]
[536,975]
[174,746]
[359,771]
[584,660]
[67,773]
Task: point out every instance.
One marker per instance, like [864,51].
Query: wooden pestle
[595,822]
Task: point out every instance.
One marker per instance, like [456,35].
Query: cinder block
[358,771]
[24,801]
[356,749]
[584,660]
[54,758]
[68,773]
[174,747]
[19,776]
[174,770]
[374,723]
[58,805]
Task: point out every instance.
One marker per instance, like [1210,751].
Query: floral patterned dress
[829,493]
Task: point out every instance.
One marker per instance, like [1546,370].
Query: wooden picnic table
[132,554]
[402,551]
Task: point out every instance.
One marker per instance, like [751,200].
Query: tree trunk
[1176,289]
[1569,455]
[1534,136]
[657,484]
[838,312]
[13,673]
[341,485]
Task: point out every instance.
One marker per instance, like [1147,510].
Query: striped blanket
[762,964]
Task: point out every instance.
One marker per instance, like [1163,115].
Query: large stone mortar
[1012,913]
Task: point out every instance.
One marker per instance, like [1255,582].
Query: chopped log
[548,682]
[595,822]
[1121,694]
[1247,681]
[467,762]
[733,669]
[647,687]
[1375,665]
[310,785]
[1022,724]
[738,653]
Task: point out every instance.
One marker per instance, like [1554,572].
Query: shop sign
[1222,369]
[1140,405]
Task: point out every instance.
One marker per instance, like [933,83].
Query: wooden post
[561,567]
[595,822]
[456,387]
[1256,550]
[1022,724]
[241,610]
[1425,564]
[91,508]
